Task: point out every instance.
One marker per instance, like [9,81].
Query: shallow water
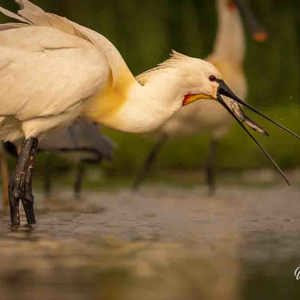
[161,243]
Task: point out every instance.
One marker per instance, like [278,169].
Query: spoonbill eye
[212,78]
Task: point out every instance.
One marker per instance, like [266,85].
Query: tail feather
[32,14]
[38,16]
[7,26]
[13,15]
[28,5]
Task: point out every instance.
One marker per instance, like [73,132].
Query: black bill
[224,90]
[256,29]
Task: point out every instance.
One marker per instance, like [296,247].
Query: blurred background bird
[83,144]
[210,118]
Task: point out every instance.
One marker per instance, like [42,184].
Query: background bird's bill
[257,31]
[224,90]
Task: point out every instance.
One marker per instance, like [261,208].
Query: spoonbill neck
[131,107]
[230,40]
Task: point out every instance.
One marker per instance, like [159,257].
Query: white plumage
[43,78]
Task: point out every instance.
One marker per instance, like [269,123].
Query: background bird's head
[256,30]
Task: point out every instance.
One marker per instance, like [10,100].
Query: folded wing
[44,71]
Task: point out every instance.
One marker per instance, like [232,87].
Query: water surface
[162,243]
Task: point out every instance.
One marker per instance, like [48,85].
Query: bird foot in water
[21,194]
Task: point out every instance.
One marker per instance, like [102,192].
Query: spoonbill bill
[210,118]
[54,70]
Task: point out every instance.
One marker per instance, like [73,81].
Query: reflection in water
[157,247]
[115,270]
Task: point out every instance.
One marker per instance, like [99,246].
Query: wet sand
[160,243]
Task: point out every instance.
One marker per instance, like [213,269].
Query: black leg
[211,167]
[80,171]
[151,158]
[14,203]
[28,200]
[21,184]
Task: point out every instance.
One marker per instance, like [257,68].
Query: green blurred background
[146,31]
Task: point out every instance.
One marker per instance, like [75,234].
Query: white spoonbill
[210,118]
[52,70]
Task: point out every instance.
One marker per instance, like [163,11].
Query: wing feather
[45,72]
[12,15]
[8,26]
[33,14]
